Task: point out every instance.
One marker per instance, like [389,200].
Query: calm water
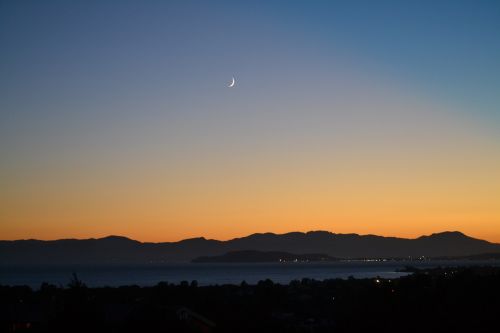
[207,274]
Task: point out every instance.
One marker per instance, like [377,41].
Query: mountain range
[122,250]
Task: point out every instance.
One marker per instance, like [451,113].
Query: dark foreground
[444,300]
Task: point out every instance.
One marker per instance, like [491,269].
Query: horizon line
[248,235]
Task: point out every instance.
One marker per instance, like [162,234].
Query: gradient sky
[375,117]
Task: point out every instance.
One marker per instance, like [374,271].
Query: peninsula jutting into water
[249,166]
[250,256]
[453,299]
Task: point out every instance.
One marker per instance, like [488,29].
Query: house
[195,321]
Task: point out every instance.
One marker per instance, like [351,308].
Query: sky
[370,117]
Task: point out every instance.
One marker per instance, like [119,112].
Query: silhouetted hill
[122,250]
[450,299]
[481,256]
[262,256]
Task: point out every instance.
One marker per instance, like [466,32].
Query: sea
[215,273]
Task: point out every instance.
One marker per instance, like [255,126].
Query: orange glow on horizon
[155,237]
[405,197]
[406,170]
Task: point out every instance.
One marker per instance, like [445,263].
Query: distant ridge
[123,250]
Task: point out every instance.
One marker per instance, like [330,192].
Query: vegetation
[442,299]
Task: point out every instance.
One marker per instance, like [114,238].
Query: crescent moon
[232,83]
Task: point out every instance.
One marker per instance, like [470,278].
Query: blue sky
[105,89]
[448,49]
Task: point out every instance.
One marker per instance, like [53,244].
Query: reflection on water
[207,274]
